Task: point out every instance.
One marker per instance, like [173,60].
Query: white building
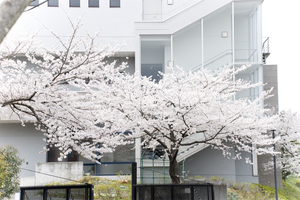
[190,33]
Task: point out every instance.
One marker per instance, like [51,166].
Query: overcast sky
[281,22]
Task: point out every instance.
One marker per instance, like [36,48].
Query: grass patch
[245,191]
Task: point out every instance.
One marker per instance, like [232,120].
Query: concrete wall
[271,81]
[266,177]
[244,171]
[28,141]
[66,170]
[211,162]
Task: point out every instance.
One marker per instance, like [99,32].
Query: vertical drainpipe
[142,168]
[153,167]
[164,169]
[202,43]
[138,140]
[172,58]
[138,156]
[183,168]
[232,33]
[258,24]
[232,41]
[142,10]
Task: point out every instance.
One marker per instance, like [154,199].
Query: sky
[281,22]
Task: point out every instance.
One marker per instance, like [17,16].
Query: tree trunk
[174,170]
[10,11]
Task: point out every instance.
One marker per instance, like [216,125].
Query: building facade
[214,34]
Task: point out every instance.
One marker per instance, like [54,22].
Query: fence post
[192,193]
[133,180]
[67,193]
[22,195]
[92,192]
[44,194]
[212,192]
[152,192]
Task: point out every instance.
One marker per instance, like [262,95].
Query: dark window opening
[73,156]
[74,3]
[94,3]
[115,3]
[53,3]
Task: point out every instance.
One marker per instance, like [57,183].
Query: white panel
[152,10]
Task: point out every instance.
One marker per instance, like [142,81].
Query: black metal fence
[68,192]
[174,192]
[169,191]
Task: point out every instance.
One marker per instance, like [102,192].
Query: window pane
[34,3]
[53,3]
[74,3]
[114,3]
[93,3]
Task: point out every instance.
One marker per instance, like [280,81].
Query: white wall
[214,45]
[114,24]
[187,45]
[27,140]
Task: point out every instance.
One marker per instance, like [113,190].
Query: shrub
[9,171]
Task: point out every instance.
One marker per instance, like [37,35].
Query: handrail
[266,49]
[213,59]
[221,55]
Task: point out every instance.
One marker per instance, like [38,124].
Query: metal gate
[68,192]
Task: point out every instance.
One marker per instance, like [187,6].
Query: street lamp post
[275,170]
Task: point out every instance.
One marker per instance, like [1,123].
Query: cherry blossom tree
[186,108]
[83,103]
[288,141]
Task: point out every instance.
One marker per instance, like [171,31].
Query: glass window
[34,3]
[93,3]
[53,3]
[74,3]
[115,3]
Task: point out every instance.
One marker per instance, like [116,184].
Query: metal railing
[84,192]
[266,45]
[187,192]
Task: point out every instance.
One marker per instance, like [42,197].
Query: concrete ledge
[62,172]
